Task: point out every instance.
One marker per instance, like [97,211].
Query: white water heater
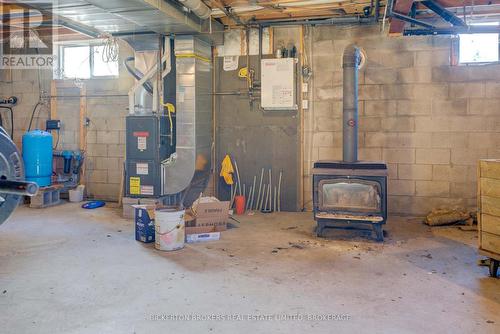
[278,80]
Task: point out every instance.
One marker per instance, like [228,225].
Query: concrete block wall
[26,86]
[428,120]
[106,130]
[105,134]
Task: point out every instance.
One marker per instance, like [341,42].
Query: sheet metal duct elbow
[190,168]
[198,7]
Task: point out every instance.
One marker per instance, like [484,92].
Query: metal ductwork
[190,168]
[351,63]
[122,17]
[148,87]
[198,7]
[169,151]
[143,96]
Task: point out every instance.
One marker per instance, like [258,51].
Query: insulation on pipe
[279,191]
[197,7]
[257,204]
[263,201]
[270,203]
[253,192]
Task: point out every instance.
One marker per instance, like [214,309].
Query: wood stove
[350,192]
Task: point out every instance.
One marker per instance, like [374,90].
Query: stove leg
[319,229]
[494,268]
[379,232]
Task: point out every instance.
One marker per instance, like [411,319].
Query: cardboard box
[202,237]
[204,229]
[210,207]
[144,223]
[207,215]
[150,201]
[128,211]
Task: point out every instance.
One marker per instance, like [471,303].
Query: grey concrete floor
[69,270]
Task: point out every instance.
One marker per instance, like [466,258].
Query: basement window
[479,48]
[85,62]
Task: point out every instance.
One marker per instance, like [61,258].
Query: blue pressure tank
[37,157]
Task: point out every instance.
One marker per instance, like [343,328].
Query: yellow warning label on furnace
[135,185]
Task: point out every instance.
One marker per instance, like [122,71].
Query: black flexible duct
[138,75]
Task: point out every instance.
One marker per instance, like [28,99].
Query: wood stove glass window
[350,196]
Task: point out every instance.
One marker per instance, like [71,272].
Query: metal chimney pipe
[350,63]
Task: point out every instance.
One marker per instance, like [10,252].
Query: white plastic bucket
[169,229]
[76,195]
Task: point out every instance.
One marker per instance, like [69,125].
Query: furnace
[350,192]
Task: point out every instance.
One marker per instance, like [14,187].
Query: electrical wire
[171,109]
[11,120]
[42,92]
[37,117]
[110,50]
[57,141]
[33,114]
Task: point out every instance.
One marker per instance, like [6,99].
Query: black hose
[33,114]
[58,137]
[11,121]
[138,75]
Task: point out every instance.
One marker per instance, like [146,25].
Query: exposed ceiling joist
[424,13]
[116,16]
[444,13]
[402,7]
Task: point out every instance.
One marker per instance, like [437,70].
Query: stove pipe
[350,63]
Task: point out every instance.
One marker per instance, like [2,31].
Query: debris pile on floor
[439,217]
[170,227]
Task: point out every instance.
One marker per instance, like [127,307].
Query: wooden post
[83,118]
[53,105]
[214,125]
[82,141]
[83,129]
[53,100]
[242,42]
[271,41]
[301,117]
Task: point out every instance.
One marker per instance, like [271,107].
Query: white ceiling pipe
[198,7]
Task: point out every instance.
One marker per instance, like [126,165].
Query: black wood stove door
[350,195]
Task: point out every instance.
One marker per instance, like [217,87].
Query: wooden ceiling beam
[461,3]
[285,2]
[285,10]
[402,7]
[297,16]
[301,13]
[304,11]
[221,4]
